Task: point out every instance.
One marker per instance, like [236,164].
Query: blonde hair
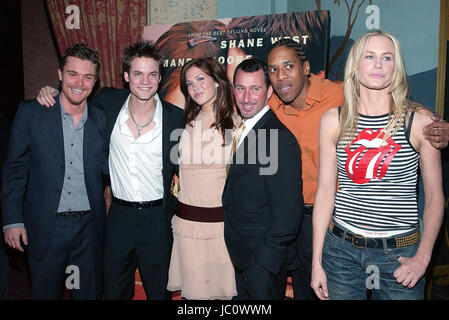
[399,90]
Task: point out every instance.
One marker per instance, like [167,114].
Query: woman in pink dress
[200,264]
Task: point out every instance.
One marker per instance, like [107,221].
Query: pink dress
[200,265]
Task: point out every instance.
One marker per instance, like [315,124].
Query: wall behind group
[414,22]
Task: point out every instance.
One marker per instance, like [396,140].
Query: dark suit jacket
[111,101]
[263,212]
[5,131]
[33,174]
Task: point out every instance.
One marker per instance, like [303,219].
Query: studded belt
[361,242]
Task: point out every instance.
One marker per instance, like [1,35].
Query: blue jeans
[351,271]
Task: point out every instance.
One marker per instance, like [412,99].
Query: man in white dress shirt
[138,230]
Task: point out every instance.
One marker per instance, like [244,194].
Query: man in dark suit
[5,128]
[142,137]
[52,195]
[262,198]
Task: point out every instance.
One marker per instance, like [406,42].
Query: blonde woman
[366,235]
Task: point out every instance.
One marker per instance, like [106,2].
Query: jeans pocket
[406,252]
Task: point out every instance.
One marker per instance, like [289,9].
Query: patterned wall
[173,11]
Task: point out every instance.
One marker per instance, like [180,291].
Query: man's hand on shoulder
[46,96]
[437,132]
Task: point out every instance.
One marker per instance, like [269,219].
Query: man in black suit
[262,198]
[141,135]
[5,128]
[52,195]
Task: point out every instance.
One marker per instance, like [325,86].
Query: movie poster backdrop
[232,40]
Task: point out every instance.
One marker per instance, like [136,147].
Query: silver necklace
[140,127]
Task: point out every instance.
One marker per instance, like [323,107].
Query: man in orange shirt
[301,99]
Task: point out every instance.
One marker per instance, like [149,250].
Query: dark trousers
[301,276]
[136,238]
[69,262]
[257,283]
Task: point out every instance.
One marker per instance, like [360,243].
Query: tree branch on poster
[350,25]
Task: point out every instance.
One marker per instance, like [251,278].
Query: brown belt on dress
[199,214]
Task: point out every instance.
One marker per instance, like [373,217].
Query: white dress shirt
[251,122]
[135,165]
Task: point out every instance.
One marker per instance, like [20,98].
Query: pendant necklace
[141,127]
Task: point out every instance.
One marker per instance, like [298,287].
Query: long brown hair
[223,104]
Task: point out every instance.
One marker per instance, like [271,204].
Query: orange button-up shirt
[323,94]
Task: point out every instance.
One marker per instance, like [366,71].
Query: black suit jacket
[263,210]
[111,101]
[5,131]
[33,174]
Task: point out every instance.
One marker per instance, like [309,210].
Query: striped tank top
[376,196]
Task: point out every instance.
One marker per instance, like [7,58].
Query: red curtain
[104,25]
